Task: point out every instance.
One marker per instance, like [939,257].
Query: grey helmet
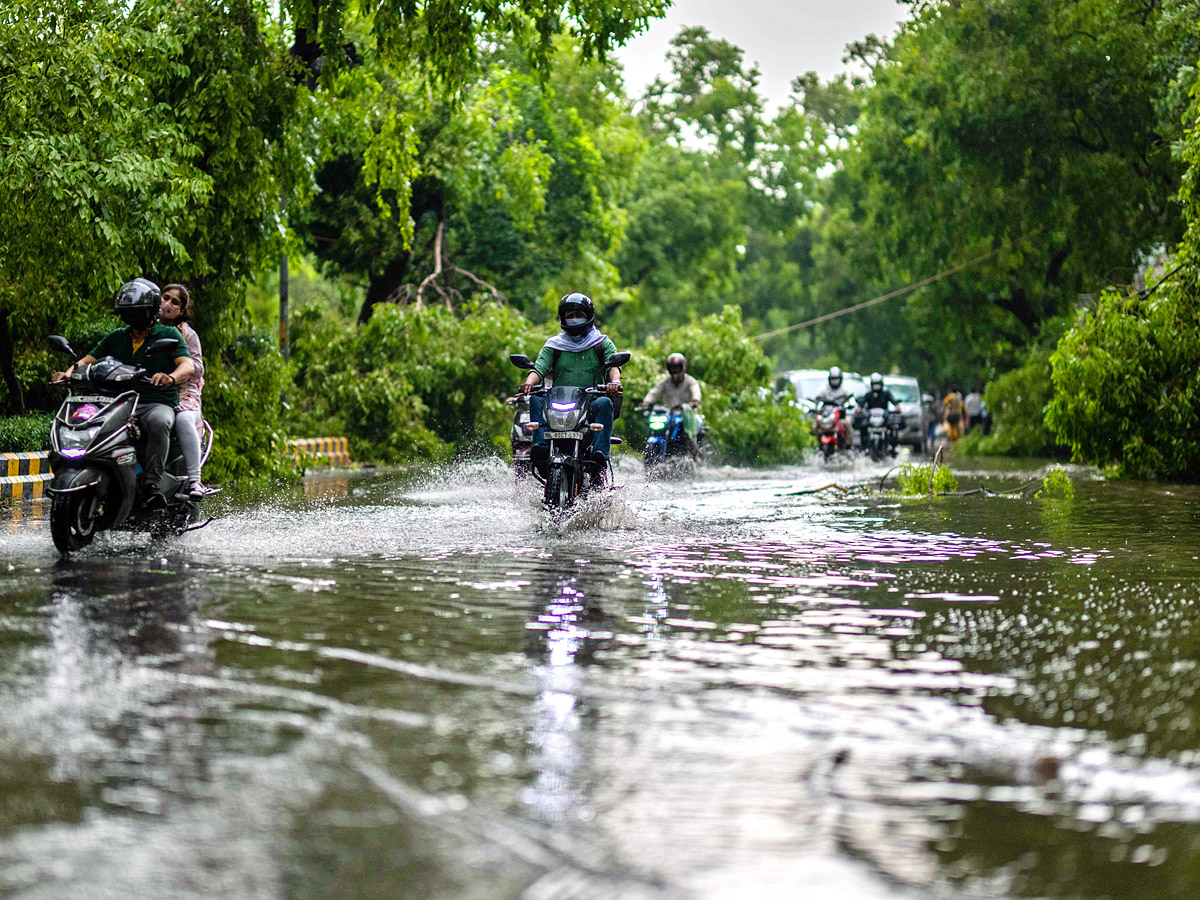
[137,303]
[835,378]
[676,361]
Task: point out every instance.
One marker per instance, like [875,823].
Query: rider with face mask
[575,358]
[137,305]
[679,389]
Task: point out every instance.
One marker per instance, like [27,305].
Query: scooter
[521,437]
[665,438]
[93,453]
[570,472]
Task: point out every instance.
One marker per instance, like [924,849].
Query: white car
[914,432]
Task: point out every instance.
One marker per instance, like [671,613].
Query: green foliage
[243,382]
[28,433]
[916,481]
[1127,386]
[1056,484]
[413,383]
[750,429]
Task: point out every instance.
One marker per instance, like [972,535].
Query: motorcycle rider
[839,396]
[679,389]
[575,358]
[878,397]
[137,305]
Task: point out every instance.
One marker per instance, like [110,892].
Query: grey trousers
[187,432]
[155,420]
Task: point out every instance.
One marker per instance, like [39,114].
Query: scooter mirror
[617,360]
[162,347]
[59,343]
[521,361]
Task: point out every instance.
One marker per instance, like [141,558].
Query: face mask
[572,321]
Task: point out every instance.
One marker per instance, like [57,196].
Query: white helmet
[835,377]
[876,381]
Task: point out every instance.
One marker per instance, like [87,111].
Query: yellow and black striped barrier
[23,476]
[330,451]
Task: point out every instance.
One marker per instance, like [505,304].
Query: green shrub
[1017,401]
[1056,485]
[1127,386]
[26,433]
[751,429]
[914,480]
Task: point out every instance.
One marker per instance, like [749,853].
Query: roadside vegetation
[437,186]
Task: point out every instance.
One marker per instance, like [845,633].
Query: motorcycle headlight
[564,419]
[77,438]
[657,422]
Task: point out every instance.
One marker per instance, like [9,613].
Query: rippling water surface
[730,687]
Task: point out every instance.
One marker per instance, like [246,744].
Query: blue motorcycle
[666,440]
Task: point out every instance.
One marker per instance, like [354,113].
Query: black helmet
[137,302]
[676,362]
[876,381]
[576,313]
[835,377]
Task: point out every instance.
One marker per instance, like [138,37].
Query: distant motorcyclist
[838,395]
[835,393]
[575,358]
[678,389]
[137,305]
[878,397]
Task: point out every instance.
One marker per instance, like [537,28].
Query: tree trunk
[16,397]
[382,285]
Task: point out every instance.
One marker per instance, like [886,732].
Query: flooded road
[719,688]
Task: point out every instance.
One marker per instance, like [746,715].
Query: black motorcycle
[569,470]
[94,444]
[881,430]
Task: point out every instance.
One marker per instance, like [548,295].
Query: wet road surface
[716,688]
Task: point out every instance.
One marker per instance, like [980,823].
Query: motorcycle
[831,429]
[665,438]
[570,472]
[93,454]
[882,432]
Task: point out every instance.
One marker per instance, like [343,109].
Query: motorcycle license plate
[91,398]
[566,435]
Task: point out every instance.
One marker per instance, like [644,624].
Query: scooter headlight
[77,438]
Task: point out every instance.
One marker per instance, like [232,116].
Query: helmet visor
[675,369]
[575,321]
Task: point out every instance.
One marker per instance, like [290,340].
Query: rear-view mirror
[163,347]
[521,361]
[618,360]
[59,343]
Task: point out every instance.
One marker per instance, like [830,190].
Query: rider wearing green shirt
[575,358]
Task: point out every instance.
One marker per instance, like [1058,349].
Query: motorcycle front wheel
[560,488]
[72,520]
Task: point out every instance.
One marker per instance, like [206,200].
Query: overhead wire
[907,289]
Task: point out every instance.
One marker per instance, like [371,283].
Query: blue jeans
[600,410]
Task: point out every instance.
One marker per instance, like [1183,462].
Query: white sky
[785,37]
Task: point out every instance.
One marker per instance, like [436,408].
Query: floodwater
[420,687]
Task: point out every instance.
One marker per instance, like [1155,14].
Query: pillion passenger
[575,358]
[137,305]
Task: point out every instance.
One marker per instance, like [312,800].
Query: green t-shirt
[119,344]
[581,368]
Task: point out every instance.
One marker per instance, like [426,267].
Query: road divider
[332,451]
[23,476]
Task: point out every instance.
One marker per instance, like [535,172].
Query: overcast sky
[785,37]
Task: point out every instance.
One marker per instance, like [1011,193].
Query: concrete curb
[25,475]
